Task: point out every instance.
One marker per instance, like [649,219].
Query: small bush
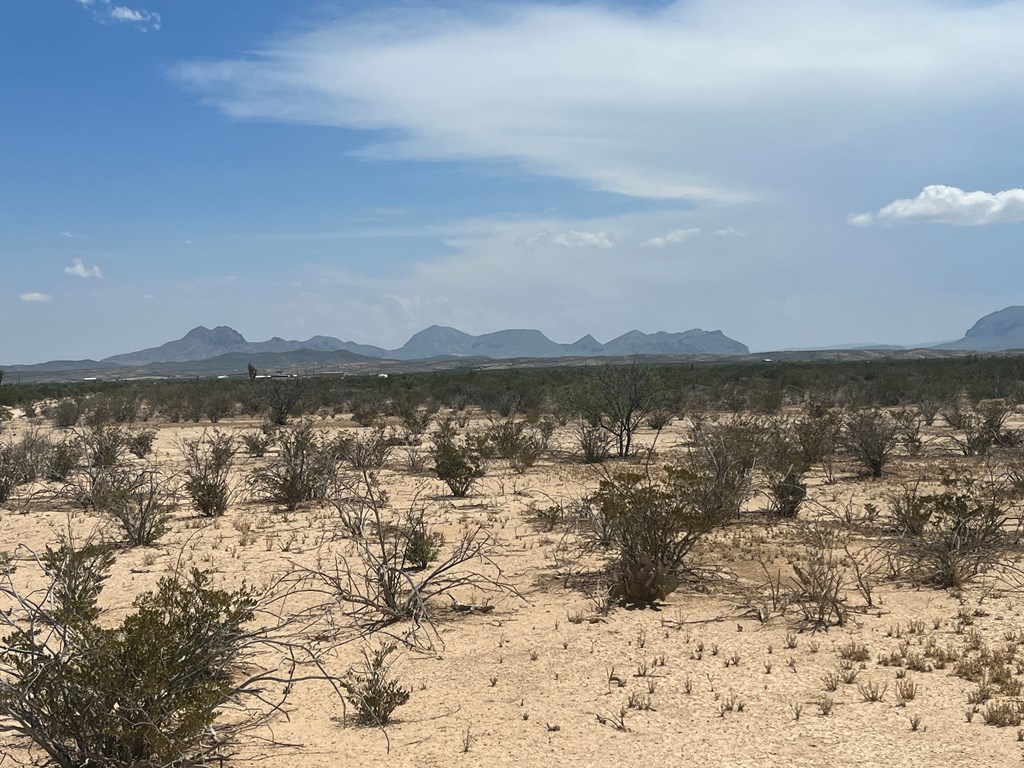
[140,443]
[870,437]
[256,444]
[458,465]
[302,471]
[208,462]
[140,502]
[422,545]
[651,525]
[595,444]
[66,413]
[372,691]
[64,459]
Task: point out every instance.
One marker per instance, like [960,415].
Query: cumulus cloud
[79,269]
[574,239]
[940,204]
[694,99]
[106,12]
[672,237]
[35,296]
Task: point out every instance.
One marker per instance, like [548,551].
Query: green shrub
[303,470]
[143,693]
[372,691]
[66,412]
[870,437]
[459,466]
[140,502]
[140,443]
[651,525]
[208,462]
[64,459]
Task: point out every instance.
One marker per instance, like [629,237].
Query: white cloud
[698,99]
[68,235]
[573,239]
[672,237]
[105,12]
[79,269]
[730,231]
[938,203]
[35,296]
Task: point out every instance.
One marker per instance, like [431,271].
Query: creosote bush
[651,523]
[870,437]
[208,462]
[145,692]
[457,463]
[371,689]
[303,470]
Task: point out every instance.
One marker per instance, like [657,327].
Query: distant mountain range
[224,351]
[436,342]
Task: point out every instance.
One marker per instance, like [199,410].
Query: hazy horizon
[793,175]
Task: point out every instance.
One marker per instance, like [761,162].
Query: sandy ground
[529,682]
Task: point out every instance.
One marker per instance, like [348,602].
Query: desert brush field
[443,586]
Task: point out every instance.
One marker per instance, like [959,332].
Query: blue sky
[793,174]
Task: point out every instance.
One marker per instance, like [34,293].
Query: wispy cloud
[106,12]
[697,99]
[78,268]
[672,237]
[730,231]
[573,238]
[35,296]
[68,235]
[949,205]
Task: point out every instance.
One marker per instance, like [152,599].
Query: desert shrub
[870,437]
[719,471]
[595,444]
[965,534]
[282,397]
[208,462]
[378,585]
[659,418]
[372,690]
[929,406]
[908,422]
[257,444]
[10,472]
[909,511]
[145,692]
[64,458]
[819,582]
[651,524]
[458,464]
[422,544]
[366,414]
[140,442]
[367,451]
[302,471]
[140,503]
[817,431]
[787,492]
[77,575]
[982,428]
[512,440]
[104,444]
[784,470]
[66,412]
[617,398]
